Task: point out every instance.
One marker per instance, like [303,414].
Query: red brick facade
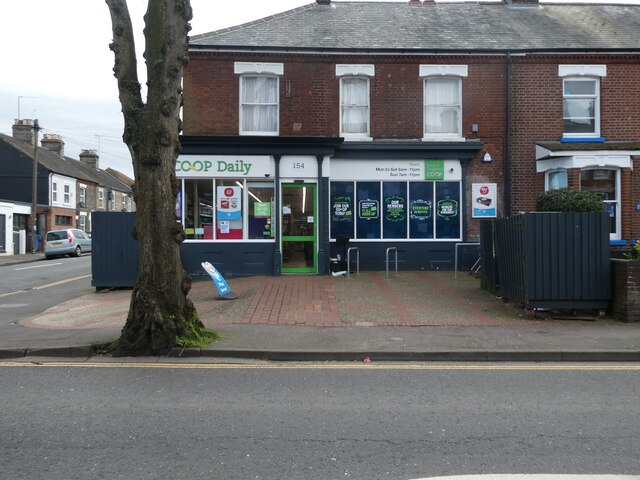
[310,96]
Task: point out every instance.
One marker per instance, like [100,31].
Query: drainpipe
[320,220]
[277,256]
[506,161]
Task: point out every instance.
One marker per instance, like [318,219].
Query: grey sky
[57,66]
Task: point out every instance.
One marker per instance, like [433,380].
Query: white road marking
[38,266]
[14,305]
[54,284]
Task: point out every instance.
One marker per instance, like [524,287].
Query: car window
[52,236]
[78,234]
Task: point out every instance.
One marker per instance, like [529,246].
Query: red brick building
[400,125]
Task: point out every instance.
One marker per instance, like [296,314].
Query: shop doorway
[299,252]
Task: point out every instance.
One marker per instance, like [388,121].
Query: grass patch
[197,337]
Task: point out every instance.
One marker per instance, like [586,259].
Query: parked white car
[70,242]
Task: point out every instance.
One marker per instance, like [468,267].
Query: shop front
[255,206]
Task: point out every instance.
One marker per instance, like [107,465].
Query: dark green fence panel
[489,278]
[114,257]
[554,260]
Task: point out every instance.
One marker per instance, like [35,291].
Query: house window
[63,220]
[54,193]
[354,107]
[258,105]
[82,223]
[606,183]
[556,180]
[67,194]
[124,202]
[128,203]
[581,107]
[101,198]
[442,107]
[83,197]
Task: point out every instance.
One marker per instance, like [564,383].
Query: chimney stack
[90,157]
[54,143]
[23,131]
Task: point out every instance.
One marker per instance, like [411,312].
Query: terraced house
[399,126]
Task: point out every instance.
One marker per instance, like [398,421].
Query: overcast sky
[57,66]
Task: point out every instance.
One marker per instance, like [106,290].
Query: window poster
[484,200]
[368,209]
[262,209]
[342,209]
[394,208]
[447,210]
[229,203]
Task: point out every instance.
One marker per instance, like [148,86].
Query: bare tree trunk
[159,308]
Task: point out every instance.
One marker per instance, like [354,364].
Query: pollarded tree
[159,311]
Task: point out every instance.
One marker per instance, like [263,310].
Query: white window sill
[357,138]
[262,134]
[443,138]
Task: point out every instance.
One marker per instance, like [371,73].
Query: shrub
[569,200]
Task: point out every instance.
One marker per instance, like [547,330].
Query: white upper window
[54,192]
[581,107]
[443,101]
[354,107]
[67,194]
[100,198]
[355,100]
[259,97]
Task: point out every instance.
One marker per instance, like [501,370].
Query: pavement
[412,316]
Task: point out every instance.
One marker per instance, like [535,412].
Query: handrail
[395,249]
[349,260]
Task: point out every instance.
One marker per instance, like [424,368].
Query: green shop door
[299,228]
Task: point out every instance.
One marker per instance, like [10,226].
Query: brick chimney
[54,143]
[90,157]
[23,131]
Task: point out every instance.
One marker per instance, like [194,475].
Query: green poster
[262,209]
[342,209]
[394,208]
[368,209]
[434,169]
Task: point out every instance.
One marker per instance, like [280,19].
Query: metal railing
[387,259]
[349,260]
[455,261]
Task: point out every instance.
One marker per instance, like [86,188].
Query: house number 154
[298,165]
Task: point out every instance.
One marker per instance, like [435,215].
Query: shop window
[260,199]
[447,209]
[556,180]
[421,210]
[581,107]
[394,209]
[354,107]
[198,209]
[258,105]
[442,107]
[342,209]
[605,182]
[229,209]
[368,209]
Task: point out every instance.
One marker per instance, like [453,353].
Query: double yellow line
[323,366]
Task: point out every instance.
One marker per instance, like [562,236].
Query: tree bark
[160,309]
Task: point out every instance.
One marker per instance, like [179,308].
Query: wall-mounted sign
[401,170]
[224,166]
[484,200]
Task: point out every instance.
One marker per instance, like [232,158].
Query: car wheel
[78,251]
[48,257]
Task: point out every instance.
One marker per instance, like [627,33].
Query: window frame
[595,96]
[242,78]
[551,172]
[617,234]
[356,136]
[54,192]
[447,135]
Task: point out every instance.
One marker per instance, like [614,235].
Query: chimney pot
[54,143]
[90,157]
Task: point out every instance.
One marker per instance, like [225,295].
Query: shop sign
[216,166]
[447,208]
[229,205]
[342,209]
[484,199]
[394,208]
[421,209]
[434,170]
[368,209]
